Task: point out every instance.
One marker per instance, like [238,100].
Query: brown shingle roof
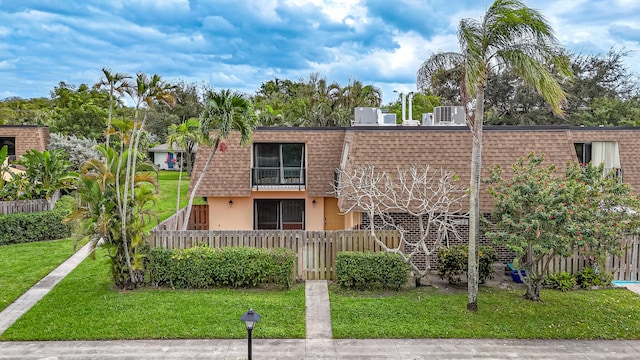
[450,149]
[230,172]
[390,147]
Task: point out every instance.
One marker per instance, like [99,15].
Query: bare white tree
[432,198]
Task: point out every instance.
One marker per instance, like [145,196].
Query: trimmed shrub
[453,262]
[356,270]
[36,226]
[589,277]
[203,267]
[561,281]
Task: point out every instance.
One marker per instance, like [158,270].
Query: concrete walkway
[318,313]
[324,349]
[25,302]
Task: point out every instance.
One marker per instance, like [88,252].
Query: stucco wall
[239,215]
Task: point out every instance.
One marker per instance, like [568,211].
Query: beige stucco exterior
[239,214]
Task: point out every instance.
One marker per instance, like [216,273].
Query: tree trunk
[533,287]
[185,223]
[110,113]
[179,188]
[474,201]
[189,162]
[124,277]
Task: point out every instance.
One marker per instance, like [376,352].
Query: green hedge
[37,226]
[203,267]
[453,262]
[356,270]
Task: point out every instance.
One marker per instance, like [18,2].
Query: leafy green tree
[533,210]
[224,111]
[313,101]
[421,104]
[18,111]
[116,83]
[188,104]
[512,36]
[607,211]
[81,112]
[541,214]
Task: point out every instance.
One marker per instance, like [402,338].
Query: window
[584,152]
[600,152]
[279,215]
[10,143]
[278,164]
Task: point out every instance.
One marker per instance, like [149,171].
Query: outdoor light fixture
[230,202]
[250,319]
[314,202]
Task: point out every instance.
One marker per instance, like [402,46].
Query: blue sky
[239,44]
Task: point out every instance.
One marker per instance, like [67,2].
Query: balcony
[278,178]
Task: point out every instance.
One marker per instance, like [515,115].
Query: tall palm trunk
[179,190]
[110,112]
[185,223]
[474,201]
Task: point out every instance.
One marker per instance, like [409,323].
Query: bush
[36,226]
[588,278]
[79,150]
[562,281]
[356,270]
[203,267]
[453,262]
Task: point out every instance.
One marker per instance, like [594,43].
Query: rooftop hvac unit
[427,119]
[366,116]
[388,119]
[448,115]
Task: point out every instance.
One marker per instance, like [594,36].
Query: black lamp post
[250,319]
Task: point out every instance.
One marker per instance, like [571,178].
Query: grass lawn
[426,313]
[168,185]
[84,306]
[23,265]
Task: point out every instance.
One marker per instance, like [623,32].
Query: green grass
[168,185]
[426,313]
[23,265]
[19,271]
[85,306]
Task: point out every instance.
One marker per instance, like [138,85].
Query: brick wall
[411,225]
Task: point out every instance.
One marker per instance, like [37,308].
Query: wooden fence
[198,219]
[624,267]
[28,206]
[316,250]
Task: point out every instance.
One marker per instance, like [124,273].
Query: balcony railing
[278,176]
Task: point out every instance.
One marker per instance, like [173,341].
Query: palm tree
[115,83]
[509,36]
[186,136]
[100,187]
[224,111]
[147,92]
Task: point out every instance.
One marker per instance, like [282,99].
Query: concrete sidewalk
[318,311]
[324,349]
[25,302]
